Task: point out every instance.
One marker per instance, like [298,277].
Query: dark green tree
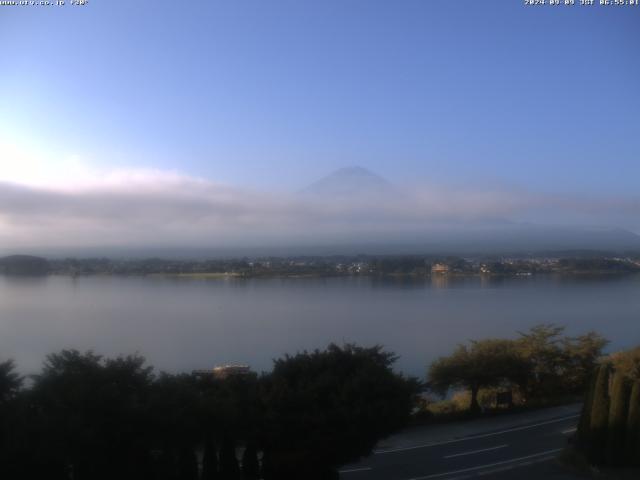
[628,362]
[580,357]
[584,424]
[481,364]
[229,468]
[166,467]
[327,408]
[250,465]
[267,468]
[173,413]
[10,382]
[210,460]
[11,431]
[188,463]
[599,416]
[89,414]
[632,449]
[618,413]
[541,347]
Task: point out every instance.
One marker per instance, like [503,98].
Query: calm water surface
[183,324]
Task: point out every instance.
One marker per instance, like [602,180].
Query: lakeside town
[567,263]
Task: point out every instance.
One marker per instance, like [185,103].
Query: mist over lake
[183,324]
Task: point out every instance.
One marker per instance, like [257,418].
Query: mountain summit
[350,181]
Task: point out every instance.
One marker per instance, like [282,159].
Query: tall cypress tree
[618,413]
[188,464]
[585,417]
[267,468]
[229,468]
[599,416]
[633,426]
[167,467]
[210,461]
[250,466]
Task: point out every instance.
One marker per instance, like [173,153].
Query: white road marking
[473,437]
[489,465]
[514,465]
[569,430]
[476,451]
[353,470]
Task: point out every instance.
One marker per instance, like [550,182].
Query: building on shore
[222,371]
[439,269]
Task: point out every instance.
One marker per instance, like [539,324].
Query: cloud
[146,207]
[154,208]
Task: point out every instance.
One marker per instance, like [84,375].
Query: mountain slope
[377,215]
[350,182]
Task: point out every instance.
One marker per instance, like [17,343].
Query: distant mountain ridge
[482,235]
[349,182]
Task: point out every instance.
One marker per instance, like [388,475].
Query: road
[493,453]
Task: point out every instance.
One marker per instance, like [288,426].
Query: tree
[90,415]
[618,413]
[229,468]
[210,460]
[633,426]
[10,381]
[541,348]
[481,364]
[580,357]
[611,433]
[173,412]
[188,463]
[628,362]
[10,385]
[267,469]
[250,465]
[583,433]
[599,415]
[327,408]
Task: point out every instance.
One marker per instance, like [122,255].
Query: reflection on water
[440,281]
[23,279]
[180,324]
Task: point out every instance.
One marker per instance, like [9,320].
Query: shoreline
[238,275]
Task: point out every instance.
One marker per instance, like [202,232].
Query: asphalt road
[514,452]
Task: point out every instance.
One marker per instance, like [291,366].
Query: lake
[182,324]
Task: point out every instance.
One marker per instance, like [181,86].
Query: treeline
[605,265]
[88,417]
[609,429]
[145,266]
[24,265]
[542,364]
[336,265]
[418,265]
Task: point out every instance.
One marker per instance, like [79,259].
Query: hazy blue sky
[271,95]
[276,93]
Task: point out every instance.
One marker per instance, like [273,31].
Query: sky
[208,116]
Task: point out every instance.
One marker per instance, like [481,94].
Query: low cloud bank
[156,208]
